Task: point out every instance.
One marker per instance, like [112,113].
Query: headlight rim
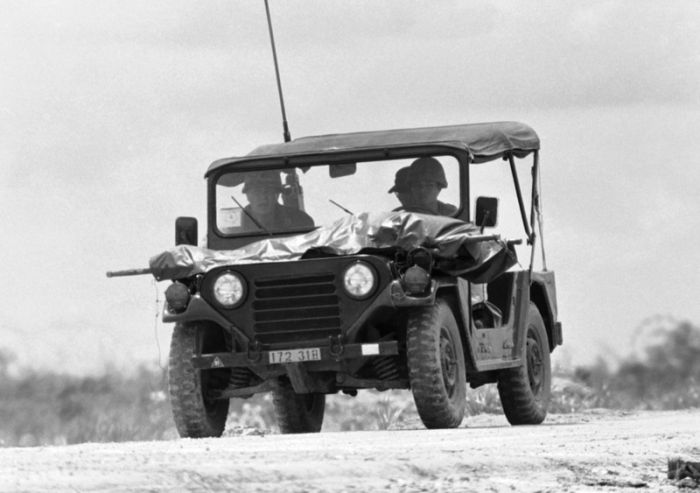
[372,271]
[244,289]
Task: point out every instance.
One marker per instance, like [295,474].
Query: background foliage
[49,408]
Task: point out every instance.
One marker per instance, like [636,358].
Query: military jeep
[368,293]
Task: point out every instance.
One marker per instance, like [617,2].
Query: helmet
[427,169]
[267,179]
[400,181]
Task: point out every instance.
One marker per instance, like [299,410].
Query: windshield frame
[220,240]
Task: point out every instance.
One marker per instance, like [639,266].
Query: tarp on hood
[456,245]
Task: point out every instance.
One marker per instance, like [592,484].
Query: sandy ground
[593,451]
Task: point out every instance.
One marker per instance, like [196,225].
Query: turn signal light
[177,296]
[416,280]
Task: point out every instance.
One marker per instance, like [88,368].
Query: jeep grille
[299,309]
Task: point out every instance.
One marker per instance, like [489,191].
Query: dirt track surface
[595,451]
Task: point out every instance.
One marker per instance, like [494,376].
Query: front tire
[436,367]
[196,415]
[297,413]
[525,390]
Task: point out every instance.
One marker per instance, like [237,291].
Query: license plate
[294,355]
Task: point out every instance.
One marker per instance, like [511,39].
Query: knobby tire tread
[185,388]
[291,410]
[435,408]
[520,405]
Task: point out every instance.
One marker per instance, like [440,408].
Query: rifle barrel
[129,272]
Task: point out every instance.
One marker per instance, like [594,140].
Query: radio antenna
[285,127]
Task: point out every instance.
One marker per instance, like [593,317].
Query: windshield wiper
[257,223]
[338,205]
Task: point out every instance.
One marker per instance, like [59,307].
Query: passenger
[262,189]
[401,188]
[427,178]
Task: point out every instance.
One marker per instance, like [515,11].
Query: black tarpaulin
[458,247]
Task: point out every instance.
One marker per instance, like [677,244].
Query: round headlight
[229,289]
[359,280]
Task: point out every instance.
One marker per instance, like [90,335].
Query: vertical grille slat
[303,308]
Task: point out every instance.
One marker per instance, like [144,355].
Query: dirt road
[595,451]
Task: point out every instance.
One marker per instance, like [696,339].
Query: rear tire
[195,415]
[297,413]
[436,367]
[525,390]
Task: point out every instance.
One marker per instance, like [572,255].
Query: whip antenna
[285,127]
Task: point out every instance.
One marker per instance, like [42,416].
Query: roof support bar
[523,214]
[534,205]
[537,203]
[534,199]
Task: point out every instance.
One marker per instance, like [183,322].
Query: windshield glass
[299,199]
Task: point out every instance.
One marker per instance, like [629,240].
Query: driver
[262,189]
[426,178]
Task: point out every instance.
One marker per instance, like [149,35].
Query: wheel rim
[535,363]
[448,362]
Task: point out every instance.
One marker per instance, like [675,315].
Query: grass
[48,408]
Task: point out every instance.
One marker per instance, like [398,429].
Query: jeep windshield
[263,201]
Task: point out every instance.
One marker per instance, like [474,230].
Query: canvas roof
[484,142]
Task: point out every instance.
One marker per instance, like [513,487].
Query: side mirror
[186,231]
[338,170]
[486,212]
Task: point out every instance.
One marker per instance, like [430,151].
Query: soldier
[426,178]
[401,188]
[262,189]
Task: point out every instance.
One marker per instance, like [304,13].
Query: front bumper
[334,354]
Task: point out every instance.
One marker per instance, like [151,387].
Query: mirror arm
[484,220]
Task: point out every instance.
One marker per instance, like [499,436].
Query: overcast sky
[110,112]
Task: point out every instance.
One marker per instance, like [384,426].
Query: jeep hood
[459,248]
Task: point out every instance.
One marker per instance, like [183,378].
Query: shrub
[45,407]
[665,376]
[50,408]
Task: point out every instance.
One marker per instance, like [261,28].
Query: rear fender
[543,293]
[521,298]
